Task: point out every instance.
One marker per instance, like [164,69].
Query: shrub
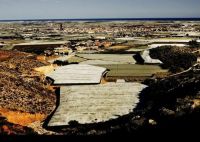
[174,58]
[194,44]
[60,63]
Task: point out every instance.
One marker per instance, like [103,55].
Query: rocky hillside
[174,58]
[22,89]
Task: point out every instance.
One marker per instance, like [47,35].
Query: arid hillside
[174,58]
[22,89]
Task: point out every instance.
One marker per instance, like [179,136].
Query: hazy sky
[36,9]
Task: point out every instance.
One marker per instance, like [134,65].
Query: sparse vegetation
[194,44]
[21,88]
[174,58]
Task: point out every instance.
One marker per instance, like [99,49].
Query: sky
[72,9]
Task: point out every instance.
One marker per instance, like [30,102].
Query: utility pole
[61,27]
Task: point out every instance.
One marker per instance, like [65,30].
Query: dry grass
[45,69]
[41,58]
[196,103]
[119,47]
[76,59]
[103,81]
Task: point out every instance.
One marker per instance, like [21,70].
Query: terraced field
[137,49]
[76,59]
[119,65]
[131,70]
[116,58]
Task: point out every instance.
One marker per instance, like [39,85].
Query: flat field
[117,58]
[132,70]
[76,59]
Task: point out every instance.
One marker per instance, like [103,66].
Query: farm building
[77,74]
[97,103]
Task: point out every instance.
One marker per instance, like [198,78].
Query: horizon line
[85,19]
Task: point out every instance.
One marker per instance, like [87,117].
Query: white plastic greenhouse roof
[77,74]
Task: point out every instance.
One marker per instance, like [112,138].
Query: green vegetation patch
[76,59]
[126,70]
